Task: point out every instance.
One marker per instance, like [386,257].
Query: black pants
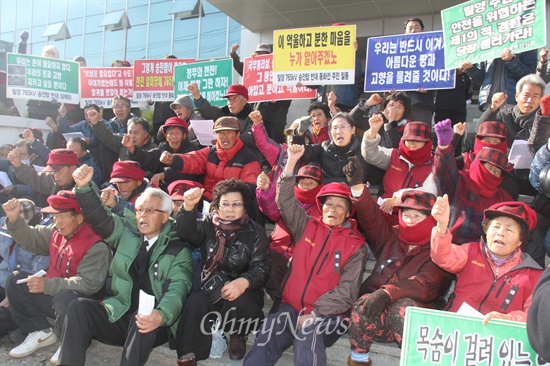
[87,319]
[30,311]
[240,316]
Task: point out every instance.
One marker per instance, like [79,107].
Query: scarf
[416,157]
[226,155]
[479,144]
[225,231]
[417,234]
[307,197]
[500,262]
[522,119]
[485,182]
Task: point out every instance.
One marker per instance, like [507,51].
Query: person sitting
[237,107]
[149,259]
[234,250]
[176,190]
[408,166]
[403,275]
[56,177]
[79,266]
[470,192]
[502,287]
[184,108]
[316,123]
[80,148]
[36,146]
[396,111]
[324,276]
[130,182]
[229,158]
[15,257]
[177,141]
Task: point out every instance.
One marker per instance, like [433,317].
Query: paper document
[146,303]
[38,168]
[466,309]
[70,135]
[520,155]
[40,273]
[5,180]
[203,131]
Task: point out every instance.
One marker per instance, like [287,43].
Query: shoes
[187,360]
[237,346]
[33,342]
[55,358]
[357,363]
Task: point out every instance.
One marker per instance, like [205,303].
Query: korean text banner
[480,30]
[98,85]
[314,56]
[42,78]
[212,77]
[433,337]
[154,79]
[258,78]
[407,62]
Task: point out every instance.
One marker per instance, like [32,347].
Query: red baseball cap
[236,89]
[126,171]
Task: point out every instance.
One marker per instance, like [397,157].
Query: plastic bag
[219,340]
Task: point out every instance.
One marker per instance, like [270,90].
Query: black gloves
[354,171]
[375,304]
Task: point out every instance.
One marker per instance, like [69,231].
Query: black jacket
[246,255]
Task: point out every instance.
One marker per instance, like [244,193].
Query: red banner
[154,79]
[98,85]
[258,78]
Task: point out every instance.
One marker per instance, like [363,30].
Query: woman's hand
[256,117]
[496,315]
[263,182]
[441,212]
[295,152]
[232,290]
[191,198]
[387,204]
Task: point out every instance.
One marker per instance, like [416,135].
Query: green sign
[42,78]
[212,77]
[480,30]
[433,337]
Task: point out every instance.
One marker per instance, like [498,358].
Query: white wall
[12,127]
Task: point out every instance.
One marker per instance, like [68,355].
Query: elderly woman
[408,166]
[323,278]
[494,276]
[403,275]
[235,254]
[332,155]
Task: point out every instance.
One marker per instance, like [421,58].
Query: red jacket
[66,254]
[478,285]
[320,254]
[399,175]
[218,164]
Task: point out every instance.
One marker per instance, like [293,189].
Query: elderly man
[229,158]
[237,106]
[129,179]
[175,131]
[79,263]
[150,261]
[62,162]
[80,148]
[184,108]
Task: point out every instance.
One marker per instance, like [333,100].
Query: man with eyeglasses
[150,261]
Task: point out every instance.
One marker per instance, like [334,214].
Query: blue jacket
[541,159]
[483,74]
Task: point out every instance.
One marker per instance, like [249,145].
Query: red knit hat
[417,200]
[126,171]
[63,201]
[311,171]
[174,122]
[417,131]
[491,129]
[177,188]
[334,189]
[59,158]
[236,89]
[516,210]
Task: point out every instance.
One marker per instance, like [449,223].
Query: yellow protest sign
[313,56]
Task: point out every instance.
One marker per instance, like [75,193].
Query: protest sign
[433,337]
[42,78]
[154,79]
[407,62]
[258,79]
[481,30]
[314,56]
[212,77]
[98,85]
